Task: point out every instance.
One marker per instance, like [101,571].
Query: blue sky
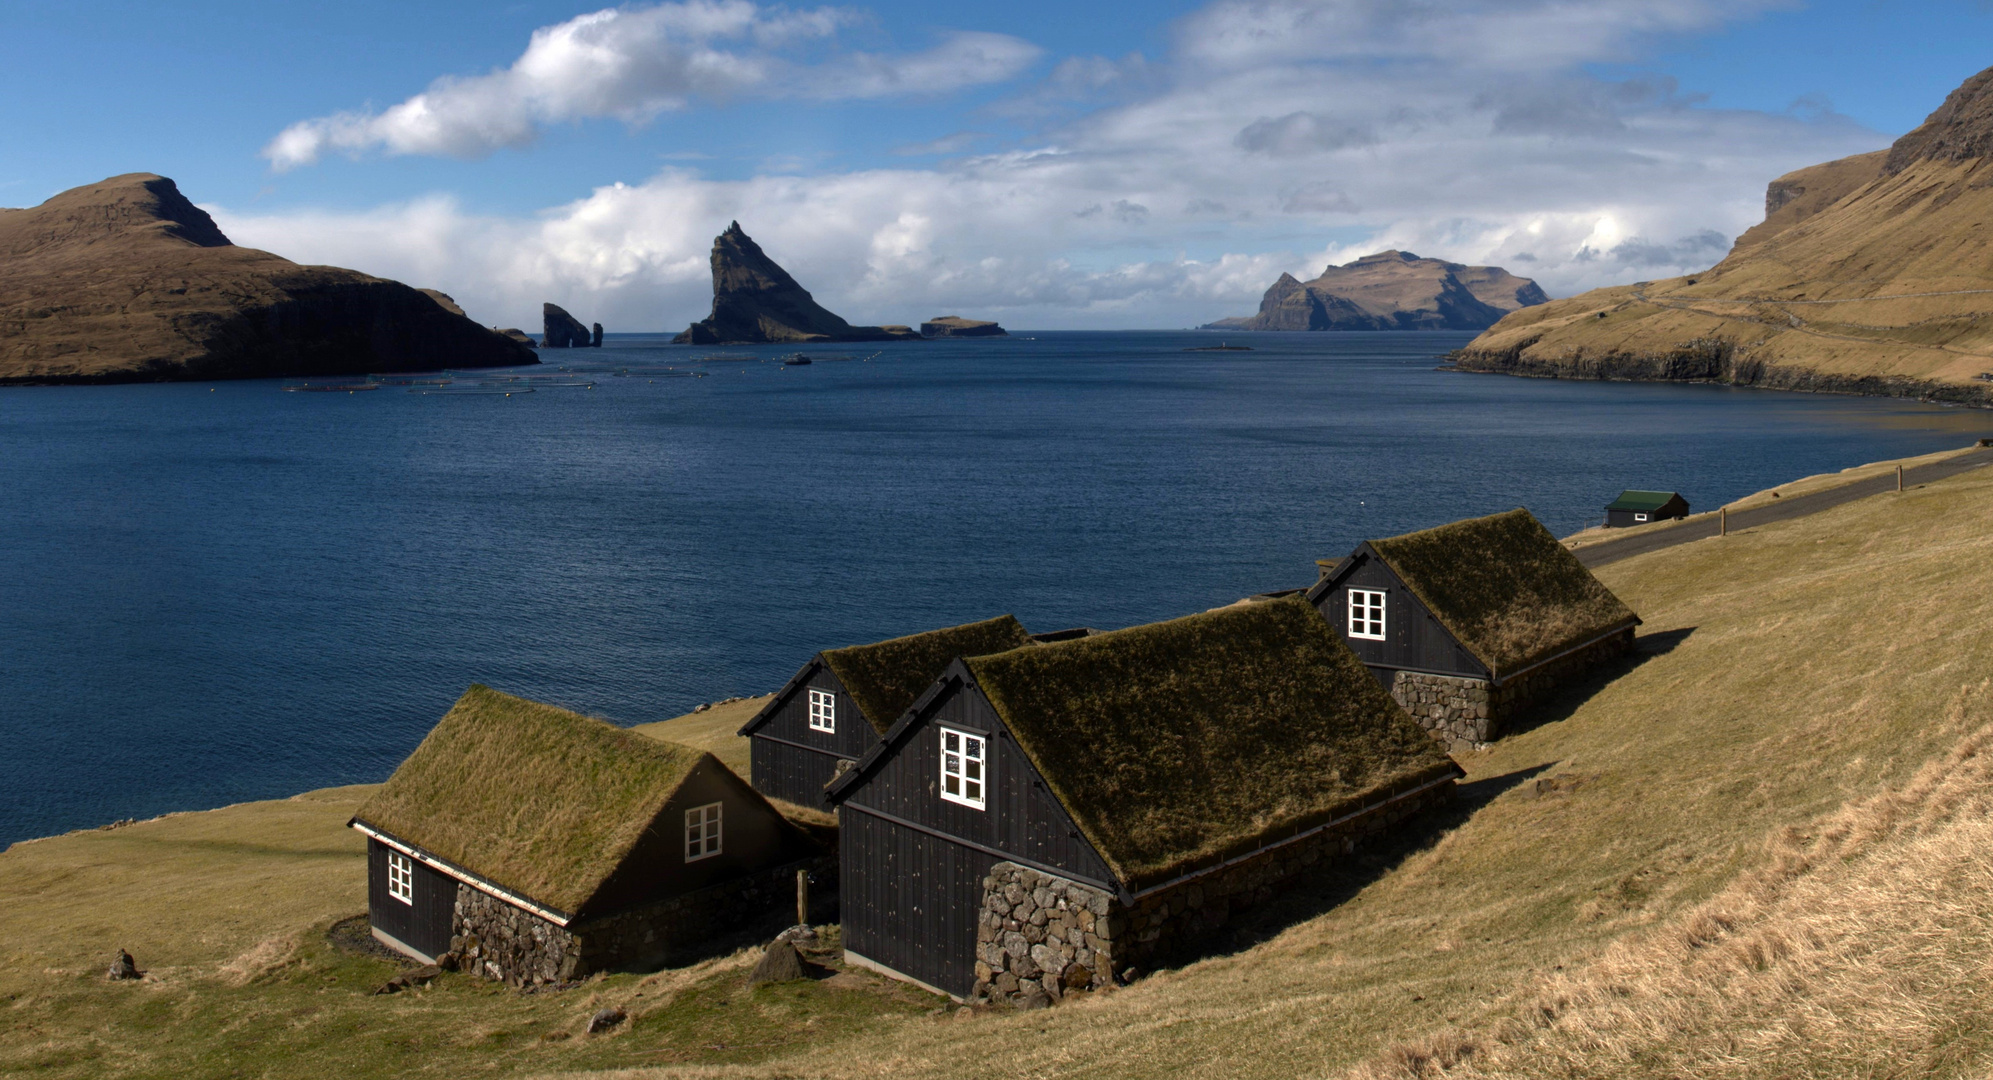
[1052,164]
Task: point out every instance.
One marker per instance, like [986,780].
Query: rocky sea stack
[755,302]
[1391,290]
[955,326]
[1869,275]
[127,281]
[559,330]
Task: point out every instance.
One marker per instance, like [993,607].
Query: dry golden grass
[712,730]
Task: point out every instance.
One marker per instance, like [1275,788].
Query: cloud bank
[1273,136]
[633,64]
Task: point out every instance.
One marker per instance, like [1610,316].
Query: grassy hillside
[1752,849]
[712,730]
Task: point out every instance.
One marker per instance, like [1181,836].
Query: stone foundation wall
[1467,714]
[494,939]
[1040,937]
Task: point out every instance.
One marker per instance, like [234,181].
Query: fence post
[1723,521]
[1899,478]
[802,898]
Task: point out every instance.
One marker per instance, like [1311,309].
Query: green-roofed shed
[1640,507]
[1470,623]
[1134,786]
[842,700]
[538,845]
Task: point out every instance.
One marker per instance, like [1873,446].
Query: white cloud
[634,63]
[1276,137]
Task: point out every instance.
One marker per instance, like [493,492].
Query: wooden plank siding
[788,759]
[1415,640]
[912,863]
[423,925]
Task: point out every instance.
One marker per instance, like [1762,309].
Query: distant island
[1391,290]
[955,326]
[1872,274]
[126,280]
[756,302]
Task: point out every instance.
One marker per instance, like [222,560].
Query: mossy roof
[1642,500]
[1504,588]
[884,678]
[1182,742]
[534,798]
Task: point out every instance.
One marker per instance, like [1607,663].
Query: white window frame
[401,877]
[823,711]
[703,832]
[1366,614]
[965,768]
[1640,517]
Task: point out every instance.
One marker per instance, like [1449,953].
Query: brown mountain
[1871,275]
[127,281]
[756,301]
[1391,290]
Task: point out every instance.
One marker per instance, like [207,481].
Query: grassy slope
[1790,671]
[712,730]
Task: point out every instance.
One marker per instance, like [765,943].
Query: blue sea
[224,592]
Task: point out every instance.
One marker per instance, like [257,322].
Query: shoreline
[1712,362]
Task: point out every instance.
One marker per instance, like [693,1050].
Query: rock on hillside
[954,326]
[1869,275]
[1391,290]
[756,301]
[127,281]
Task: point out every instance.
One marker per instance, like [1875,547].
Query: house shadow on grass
[1562,702]
[1327,886]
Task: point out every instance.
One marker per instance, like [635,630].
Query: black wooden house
[1469,623]
[841,702]
[1131,787]
[1640,507]
[540,845]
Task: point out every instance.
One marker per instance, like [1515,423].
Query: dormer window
[823,711]
[1366,614]
[964,768]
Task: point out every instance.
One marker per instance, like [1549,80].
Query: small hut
[1641,507]
[541,846]
[840,703]
[1469,623]
[1044,818]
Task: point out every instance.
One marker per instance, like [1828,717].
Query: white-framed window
[702,832]
[965,768]
[1640,517]
[823,711]
[1366,614]
[401,877]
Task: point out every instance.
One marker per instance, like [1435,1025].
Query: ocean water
[230,592]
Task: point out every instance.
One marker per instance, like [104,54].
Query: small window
[964,767]
[401,877]
[823,711]
[702,832]
[1366,614]
[1640,517]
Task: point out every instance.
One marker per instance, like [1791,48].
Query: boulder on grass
[780,963]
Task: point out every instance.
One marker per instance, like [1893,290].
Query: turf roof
[539,800]
[1641,500]
[885,678]
[1504,588]
[1183,741]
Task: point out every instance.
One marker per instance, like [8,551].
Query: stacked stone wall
[1467,714]
[1040,937]
[497,940]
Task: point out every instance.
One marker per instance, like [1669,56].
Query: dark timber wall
[787,759]
[1416,641]
[423,925]
[912,864]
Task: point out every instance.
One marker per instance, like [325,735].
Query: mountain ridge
[1390,290]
